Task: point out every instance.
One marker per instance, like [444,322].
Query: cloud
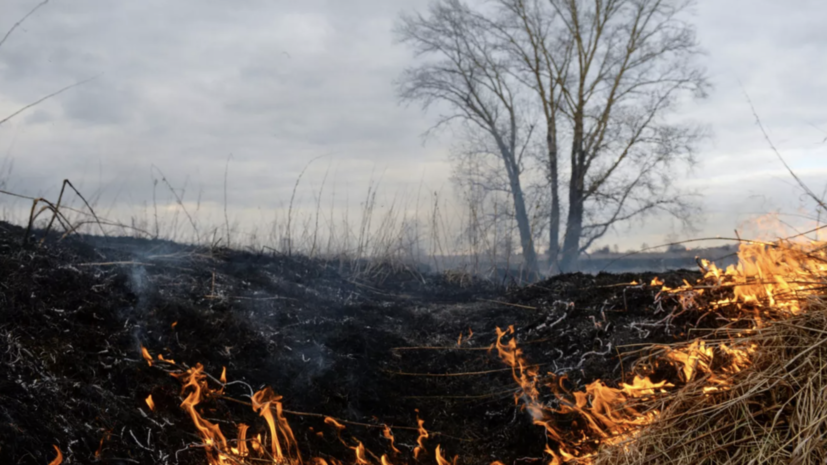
[277,83]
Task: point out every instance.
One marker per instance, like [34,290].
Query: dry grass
[775,411]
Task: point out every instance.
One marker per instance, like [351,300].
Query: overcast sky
[276,83]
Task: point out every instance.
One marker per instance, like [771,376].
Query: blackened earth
[354,341]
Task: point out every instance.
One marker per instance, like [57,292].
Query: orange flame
[145,354]
[769,280]
[360,454]
[525,377]
[602,408]
[467,338]
[256,444]
[223,375]
[440,460]
[100,446]
[241,450]
[387,434]
[339,427]
[263,401]
[214,440]
[423,434]
[778,275]
[150,402]
[59,459]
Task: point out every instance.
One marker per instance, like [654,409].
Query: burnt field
[364,346]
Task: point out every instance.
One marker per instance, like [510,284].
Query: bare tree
[605,75]
[633,61]
[471,75]
[541,60]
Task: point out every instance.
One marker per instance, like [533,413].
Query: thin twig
[801,184]
[481,396]
[91,210]
[116,263]
[41,100]
[508,304]
[178,199]
[290,207]
[226,218]
[452,375]
[18,23]
[453,347]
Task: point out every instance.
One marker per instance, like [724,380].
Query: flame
[263,401]
[150,402]
[256,444]
[387,434]
[526,377]
[223,375]
[423,434]
[360,454]
[440,460]
[59,459]
[770,281]
[100,446]
[642,386]
[777,276]
[467,338]
[214,441]
[604,416]
[241,450]
[339,427]
[145,354]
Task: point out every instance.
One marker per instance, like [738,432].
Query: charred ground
[365,344]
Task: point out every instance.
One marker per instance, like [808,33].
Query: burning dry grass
[774,411]
[770,405]
[751,391]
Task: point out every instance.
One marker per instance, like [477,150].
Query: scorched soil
[369,345]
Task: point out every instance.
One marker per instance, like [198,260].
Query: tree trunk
[574,228]
[523,225]
[554,217]
[520,212]
[574,223]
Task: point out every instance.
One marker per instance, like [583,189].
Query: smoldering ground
[371,348]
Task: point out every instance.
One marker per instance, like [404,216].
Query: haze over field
[183,85]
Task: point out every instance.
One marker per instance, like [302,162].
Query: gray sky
[276,83]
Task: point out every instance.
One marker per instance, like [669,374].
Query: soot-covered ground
[368,345]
